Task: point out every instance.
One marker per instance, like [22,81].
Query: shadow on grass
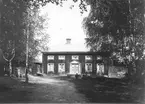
[14,91]
[104,90]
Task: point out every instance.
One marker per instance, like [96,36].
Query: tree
[118,25]
[13,35]
[34,27]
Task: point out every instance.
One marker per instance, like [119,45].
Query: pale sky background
[63,23]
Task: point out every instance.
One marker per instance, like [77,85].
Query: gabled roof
[68,47]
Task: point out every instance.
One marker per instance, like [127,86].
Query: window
[100,69]
[88,57]
[61,57]
[50,67]
[99,58]
[88,67]
[51,57]
[61,67]
[75,57]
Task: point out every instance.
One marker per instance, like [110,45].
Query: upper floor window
[50,57]
[88,57]
[99,58]
[62,57]
[75,57]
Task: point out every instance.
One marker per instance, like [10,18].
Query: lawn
[65,89]
[105,90]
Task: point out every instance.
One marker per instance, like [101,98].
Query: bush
[50,72]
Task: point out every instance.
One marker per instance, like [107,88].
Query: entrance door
[75,68]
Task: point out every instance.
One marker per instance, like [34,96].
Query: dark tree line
[117,26]
[20,19]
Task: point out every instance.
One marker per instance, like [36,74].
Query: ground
[65,89]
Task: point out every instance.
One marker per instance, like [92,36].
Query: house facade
[75,62]
[73,57]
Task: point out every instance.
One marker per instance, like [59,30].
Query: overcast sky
[63,23]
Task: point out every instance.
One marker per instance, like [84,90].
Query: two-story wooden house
[73,59]
[75,62]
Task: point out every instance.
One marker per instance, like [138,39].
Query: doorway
[75,67]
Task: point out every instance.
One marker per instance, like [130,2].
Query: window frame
[88,58]
[60,57]
[50,57]
[88,64]
[98,57]
[75,57]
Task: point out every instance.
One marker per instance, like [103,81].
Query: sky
[63,23]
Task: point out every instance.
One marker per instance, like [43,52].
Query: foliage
[11,41]
[14,23]
[37,32]
[118,26]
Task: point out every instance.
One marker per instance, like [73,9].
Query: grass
[95,90]
[103,90]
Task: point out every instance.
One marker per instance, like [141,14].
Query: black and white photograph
[72,51]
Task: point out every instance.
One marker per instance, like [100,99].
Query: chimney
[68,40]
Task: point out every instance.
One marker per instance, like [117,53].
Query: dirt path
[41,90]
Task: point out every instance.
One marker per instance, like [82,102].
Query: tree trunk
[27,54]
[10,67]
[26,75]
[10,62]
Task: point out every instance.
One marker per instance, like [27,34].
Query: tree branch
[13,55]
[5,58]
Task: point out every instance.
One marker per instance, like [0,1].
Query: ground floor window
[100,69]
[50,67]
[38,69]
[88,67]
[61,67]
